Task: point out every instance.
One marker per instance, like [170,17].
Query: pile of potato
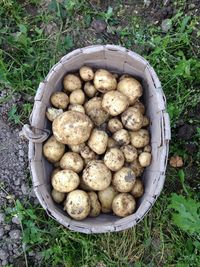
[100,144]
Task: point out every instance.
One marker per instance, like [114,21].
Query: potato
[83,186]
[89,89]
[72,128]
[140,139]
[65,181]
[94,204]
[145,122]
[130,152]
[124,76]
[59,100]
[138,189]
[114,125]
[136,167]
[131,88]
[123,205]
[86,73]
[55,171]
[132,119]
[76,107]
[106,197]
[87,153]
[111,142]
[72,161]
[121,137]
[96,175]
[58,197]
[104,81]
[94,110]
[114,102]
[71,82]
[114,159]
[77,204]
[139,106]
[98,141]
[53,113]
[77,148]
[144,159]
[124,180]
[77,97]
[147,148]
[53,150]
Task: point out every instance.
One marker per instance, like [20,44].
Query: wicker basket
[120,60]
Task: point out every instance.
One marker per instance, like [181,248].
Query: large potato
[114,102]
[132,119]
[140,139]
[130,152]
[71,82]
[94,204]
[93,108]
[138,189]
[114,125]
[77,204]
[86,73]
[53,150]
[123,204]
[72,161]
[124,180]
[77,97]
[114,159]
[145,159]
[98,141]
[96,175]
[76,107]
[59,100]
[104,81]
[131,88]
[65,181]
[72,128]
[58,197]
[89,89]
[106,197]
[53,113]
[122,137]
[136,167]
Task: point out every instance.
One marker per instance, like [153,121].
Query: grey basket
[120,60]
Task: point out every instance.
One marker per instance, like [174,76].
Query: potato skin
[124,76]
[53,113]
[104,81]
[138,189]
[136,167]
[106,197]
[98,141]
[59,100]
[77,148]
[86,73]
[114,125]
[77,204]
[96,175]
[138,105]
[114,159]
[76,107]
[77,97]
[144,159]
[145,122]
[132,119]
[121,137]
[71,82]
[87,153]
[72,128]
[111,142]
[147,149]
[58,197]
[123,204]
[114,102]
[131,88]
[130,152]
[65,181]
[72,161]
[94,204]
[55,171]
[140,138]
[124,180]
[53,150]
[89,89]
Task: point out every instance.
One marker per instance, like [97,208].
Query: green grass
[26,55]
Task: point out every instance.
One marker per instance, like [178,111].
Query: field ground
[33,36]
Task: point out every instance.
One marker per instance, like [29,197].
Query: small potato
[106,197]
[87,153]
[124,76]
[71,82]
[123,204]
[89,89]
[86,73]
[144,159]
[59,100]
[136,167]
[77,97]
[55,171]
[72,128]
[77,204]
[53,150]
[65,181]
[114,102]
[58,197]
[114,125]
[53,113]
[140,138]
[98,141]
[77,148]
[124,180]
[71,161]
[138,189]
[104,81]
[111,142]
[139,106]
[93,108]
[131,88]
[96,175]
[76,107]
[147,149]
[132,119]
[130,152]
[94,204]
[145,122]
[114,159]
[122,137]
